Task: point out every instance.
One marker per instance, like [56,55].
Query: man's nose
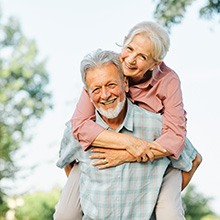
[105,93]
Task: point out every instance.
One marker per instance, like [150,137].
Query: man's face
[107,90]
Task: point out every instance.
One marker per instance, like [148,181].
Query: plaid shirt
[128,191]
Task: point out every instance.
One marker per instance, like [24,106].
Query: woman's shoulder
[165,74]
[166,71]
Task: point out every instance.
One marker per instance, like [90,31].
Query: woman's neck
[147,76]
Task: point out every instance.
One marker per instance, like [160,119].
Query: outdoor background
[66,30]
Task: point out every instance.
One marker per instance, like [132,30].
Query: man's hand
[110,157]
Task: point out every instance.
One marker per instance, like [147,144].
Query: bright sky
[66,30]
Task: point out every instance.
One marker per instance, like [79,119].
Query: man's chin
[106,108]
[110,113]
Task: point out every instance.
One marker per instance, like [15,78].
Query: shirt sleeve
[68,147]
[85,130]
[173,118]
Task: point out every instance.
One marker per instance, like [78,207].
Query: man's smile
[109,102]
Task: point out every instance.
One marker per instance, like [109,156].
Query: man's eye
[111,85]
[129,48]
[96,91]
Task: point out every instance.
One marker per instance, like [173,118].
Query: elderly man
[127,191]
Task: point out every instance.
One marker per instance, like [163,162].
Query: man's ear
[88,94]
[86,90]
[126,84]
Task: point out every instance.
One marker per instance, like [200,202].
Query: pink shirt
[161,94]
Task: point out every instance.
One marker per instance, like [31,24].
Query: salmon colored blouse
[161,94]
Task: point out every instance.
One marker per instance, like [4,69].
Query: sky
[66,30]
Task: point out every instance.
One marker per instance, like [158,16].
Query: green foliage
[169,12]
[196,205]
[3,207]
[39,205]
[23,94]
[210,9]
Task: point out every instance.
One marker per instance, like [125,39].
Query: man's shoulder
[68,147]
[139,111]
[146,124]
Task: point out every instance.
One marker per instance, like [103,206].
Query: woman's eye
[142,57]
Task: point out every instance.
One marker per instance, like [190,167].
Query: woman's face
[136,58]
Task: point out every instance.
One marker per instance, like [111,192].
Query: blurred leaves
[170,12]
[43,203]
[211,8]
[23,92]
[196,205]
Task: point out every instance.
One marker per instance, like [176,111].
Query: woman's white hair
[157,35]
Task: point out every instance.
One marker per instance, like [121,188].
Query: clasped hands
[141,151]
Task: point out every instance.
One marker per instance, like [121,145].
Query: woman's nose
[131,59]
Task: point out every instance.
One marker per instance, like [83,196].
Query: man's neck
[116,122]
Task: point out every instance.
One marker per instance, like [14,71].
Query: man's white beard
[112,113]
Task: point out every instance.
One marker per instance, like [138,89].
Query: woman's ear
[126,84]
[157,64]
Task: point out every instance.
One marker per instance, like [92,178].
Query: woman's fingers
[154,145]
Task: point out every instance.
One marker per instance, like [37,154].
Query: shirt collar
[128,122]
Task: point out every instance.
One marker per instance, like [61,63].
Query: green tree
[197,205]
[43,203]
[23,93]
[169,12]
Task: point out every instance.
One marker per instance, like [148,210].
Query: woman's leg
[187,176]
[169,204]
[68,207]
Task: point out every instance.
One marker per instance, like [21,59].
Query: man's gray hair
[99,58]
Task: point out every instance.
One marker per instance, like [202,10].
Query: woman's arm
[139,148]
[87,132]
[173,118]
[111,157]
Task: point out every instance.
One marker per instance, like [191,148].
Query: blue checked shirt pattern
[128,191]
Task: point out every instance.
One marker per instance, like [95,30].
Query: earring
[158,67]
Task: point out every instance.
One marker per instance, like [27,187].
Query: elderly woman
[155,87]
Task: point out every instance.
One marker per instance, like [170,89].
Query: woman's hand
[110,157]
[142,149]
[139,148]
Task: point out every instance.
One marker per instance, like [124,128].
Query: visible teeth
[128,66]
[108,102]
